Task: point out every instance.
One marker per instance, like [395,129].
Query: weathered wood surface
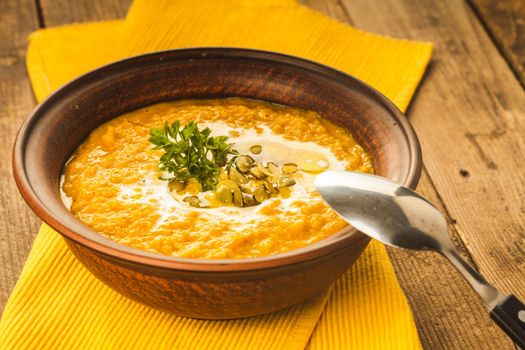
[18,225]
[469,114]
[505,22]
[470,117]
[56,12]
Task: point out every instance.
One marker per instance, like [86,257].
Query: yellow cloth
[57,304]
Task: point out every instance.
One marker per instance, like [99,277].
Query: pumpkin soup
[210,179]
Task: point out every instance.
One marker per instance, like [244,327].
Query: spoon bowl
[384,210]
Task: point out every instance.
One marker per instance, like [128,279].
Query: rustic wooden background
[469,114]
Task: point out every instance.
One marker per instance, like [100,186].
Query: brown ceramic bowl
[211,289]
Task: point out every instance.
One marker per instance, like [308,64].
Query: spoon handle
[506,310]
[509,314]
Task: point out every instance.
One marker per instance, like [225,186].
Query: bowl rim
[132,256]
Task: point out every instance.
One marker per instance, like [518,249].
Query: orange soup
[263,202]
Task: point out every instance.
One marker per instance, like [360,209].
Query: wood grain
[60,12]
[18,224]
[505,22]
[469,115]
[473,147]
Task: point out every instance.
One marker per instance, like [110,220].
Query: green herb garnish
[191,153]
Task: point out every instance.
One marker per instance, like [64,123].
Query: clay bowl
[210,289]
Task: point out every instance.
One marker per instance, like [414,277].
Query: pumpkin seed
[232,185]
[189,199]
[246,189]
[256,149]
[285,181]
[264,169]
[223,193]
[289,168]
[248,200]
[237,198]
[244,163]
[260,194]
[193,201]
[257,172]
[269,186]
[236,176]
[273,168]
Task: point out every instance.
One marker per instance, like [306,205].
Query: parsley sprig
[191,153]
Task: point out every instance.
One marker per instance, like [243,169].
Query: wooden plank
[505,22]
[17,223]
[469,115]
[60,12]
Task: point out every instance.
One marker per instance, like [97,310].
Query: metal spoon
[397,216]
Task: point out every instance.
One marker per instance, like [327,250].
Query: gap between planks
[508,34]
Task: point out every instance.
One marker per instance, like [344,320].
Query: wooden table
[469,114]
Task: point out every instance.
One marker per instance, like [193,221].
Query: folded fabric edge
[412,77]
[303,331]
[357,29]
[37,72]
[401,99]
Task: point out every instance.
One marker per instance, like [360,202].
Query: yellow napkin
[59,304]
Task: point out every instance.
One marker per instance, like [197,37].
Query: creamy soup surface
[112,182]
